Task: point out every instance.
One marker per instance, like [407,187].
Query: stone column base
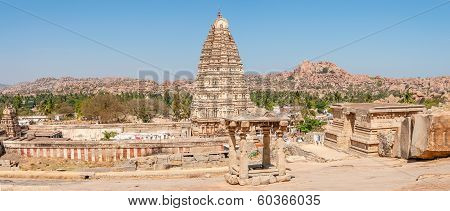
[257,180]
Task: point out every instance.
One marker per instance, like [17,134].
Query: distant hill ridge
[314,77]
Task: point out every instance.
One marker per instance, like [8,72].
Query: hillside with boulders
[325,77]
[311,77]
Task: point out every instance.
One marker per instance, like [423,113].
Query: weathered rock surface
[431,136]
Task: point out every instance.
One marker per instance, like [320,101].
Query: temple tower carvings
[10,122]
[220,89]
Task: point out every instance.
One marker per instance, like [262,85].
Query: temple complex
[220,89]
[10,123]
[355,125]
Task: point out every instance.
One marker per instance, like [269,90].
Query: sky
[112,38]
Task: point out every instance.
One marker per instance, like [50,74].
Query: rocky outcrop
[68,85]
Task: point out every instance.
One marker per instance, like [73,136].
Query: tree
[105,108]
[407,97]
[176,105]
[309,124]
[167,99]
[146,109]
[65,109]
[321,105]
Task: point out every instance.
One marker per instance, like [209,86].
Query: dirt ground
[354,173]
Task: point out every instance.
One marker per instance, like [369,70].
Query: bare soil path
[348,174]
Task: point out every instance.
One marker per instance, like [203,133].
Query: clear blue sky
[271,36]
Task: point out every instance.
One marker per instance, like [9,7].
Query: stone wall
[94,132]
[183,160]
[111,150]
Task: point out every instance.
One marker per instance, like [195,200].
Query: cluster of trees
[44,103]
[104,107]
[268,99]
[176,104]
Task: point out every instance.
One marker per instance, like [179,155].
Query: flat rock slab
[326,153]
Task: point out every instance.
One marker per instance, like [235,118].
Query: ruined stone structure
[90,132]
[10,122]
[240,170]
[94,151]
[220,89]
[421,136]
[356,125]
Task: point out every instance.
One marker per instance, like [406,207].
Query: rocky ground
[333,171]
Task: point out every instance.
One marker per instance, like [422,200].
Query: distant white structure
[29,120]
[143,136]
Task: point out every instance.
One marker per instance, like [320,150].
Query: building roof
[379,107]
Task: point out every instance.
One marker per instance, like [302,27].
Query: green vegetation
[108,135]
[268,99]
[175,104]
[253,154]
[309,124]
[103,107]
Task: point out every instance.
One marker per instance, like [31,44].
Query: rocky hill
[325,77]
[69,85]
[312,77]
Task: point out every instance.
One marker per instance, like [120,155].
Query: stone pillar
[280,148]
[266,147]
[343,142]
[232,146]
[243,167]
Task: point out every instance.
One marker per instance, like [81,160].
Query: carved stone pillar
[266,147]
[233,162]
[243,167]
[280,146]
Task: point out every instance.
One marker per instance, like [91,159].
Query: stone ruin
[240,170]
[355,125]
[389,130]
[421,136]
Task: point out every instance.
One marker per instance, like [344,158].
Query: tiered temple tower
[220,89]
[10,123]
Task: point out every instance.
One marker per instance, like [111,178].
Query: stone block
[386,141]
[245,124]
[405,137]
[201,157]
[214,157]
[284,178]
[272,179]
[188,159]
[176,157]
[161,166]
[265,180]
[431,136]
[255,181]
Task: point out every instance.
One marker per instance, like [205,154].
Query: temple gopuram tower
[10,123]
[220,89]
